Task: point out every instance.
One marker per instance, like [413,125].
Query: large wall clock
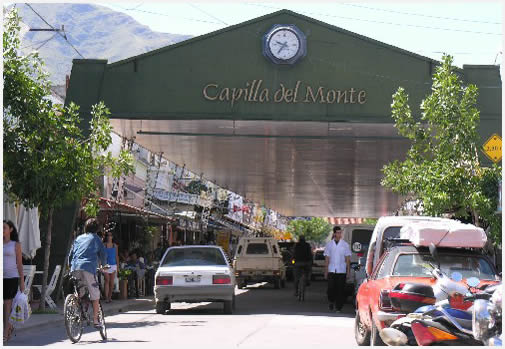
[284,44]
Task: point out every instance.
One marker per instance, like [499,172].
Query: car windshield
[193,256]
[319,256]
[391,233]
[468,266]
[256,248]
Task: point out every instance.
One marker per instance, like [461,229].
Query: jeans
[336,289]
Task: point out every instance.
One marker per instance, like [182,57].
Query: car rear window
[193,256]
[362,236]
[257,248]
[468,266]
[319,256]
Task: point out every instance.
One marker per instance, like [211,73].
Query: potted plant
[123,283]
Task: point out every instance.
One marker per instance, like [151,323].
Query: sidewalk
[117,306]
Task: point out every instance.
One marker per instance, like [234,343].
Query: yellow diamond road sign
[492,148]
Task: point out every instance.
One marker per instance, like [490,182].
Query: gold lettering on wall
[256,91]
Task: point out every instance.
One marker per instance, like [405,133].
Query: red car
[405,263]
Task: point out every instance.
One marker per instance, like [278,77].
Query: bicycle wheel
[301,288]
[73,320]
[101,318]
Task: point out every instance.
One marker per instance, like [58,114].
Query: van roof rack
[391,242]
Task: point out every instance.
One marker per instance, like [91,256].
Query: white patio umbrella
[28,229]
[27,223]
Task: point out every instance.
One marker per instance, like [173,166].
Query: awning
[110,205]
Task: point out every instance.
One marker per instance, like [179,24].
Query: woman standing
[13,273]
[112,260]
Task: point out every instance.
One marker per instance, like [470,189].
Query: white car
[318,264]
[194,274]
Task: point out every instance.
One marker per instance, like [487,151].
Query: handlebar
[485,296]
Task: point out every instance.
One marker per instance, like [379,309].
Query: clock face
[284,44]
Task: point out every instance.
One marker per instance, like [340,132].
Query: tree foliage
[48,160]
[316,229]
[442,167]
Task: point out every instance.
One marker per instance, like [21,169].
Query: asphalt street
[264,318]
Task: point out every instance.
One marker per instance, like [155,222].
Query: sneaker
[330,306]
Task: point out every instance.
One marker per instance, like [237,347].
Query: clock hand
[284,45]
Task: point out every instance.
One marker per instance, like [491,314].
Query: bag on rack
[21,310]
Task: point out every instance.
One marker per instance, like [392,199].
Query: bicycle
[302,283]
[77,312]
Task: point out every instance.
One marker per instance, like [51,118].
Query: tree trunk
[69,246]
[475,215]
[47,253]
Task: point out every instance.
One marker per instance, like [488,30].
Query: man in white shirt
[337,265]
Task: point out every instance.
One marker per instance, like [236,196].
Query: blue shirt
[111,255]
[85,253]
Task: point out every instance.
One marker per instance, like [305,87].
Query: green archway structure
[307,139]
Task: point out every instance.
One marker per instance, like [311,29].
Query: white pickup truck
[259,260]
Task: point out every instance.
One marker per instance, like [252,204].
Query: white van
[259,259]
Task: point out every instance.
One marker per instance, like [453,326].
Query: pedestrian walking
[337,265]
[113,260]
[13,273]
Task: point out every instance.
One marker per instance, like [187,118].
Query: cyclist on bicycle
[303,260]
[86,252]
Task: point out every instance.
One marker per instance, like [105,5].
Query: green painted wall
[168,83]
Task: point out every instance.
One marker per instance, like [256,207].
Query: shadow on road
[264,299]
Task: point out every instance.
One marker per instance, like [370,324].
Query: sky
[469,31]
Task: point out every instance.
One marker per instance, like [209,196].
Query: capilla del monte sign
[256,91]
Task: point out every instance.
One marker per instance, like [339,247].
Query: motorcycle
[448,317]
[487,319]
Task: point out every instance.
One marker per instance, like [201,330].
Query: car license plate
[196,278]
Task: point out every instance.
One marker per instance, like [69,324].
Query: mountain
[95,31]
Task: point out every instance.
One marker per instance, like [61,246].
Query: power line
[63,36]
[208,14]
[166,15]
[380,22]
[420,14]
[36,43]
[45,42]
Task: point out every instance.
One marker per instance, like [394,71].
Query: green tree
[48,160]
[316,229]
[442,167]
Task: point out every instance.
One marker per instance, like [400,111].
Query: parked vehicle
[402,263]
[259,260]
[449,321]
[194,274]
[388,227]
[487,319]
[318,264]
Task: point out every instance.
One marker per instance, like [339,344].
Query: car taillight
[385,300]
[164,280]
[457,301]
[221,279]
[426,335]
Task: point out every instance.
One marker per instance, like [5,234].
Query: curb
[114,309]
